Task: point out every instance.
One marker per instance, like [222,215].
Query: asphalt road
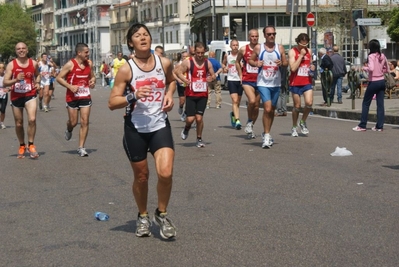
[234,203]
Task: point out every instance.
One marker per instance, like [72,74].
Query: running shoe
[180,110]
[200,143]
[232,120]
[143,225]
[267,141]
[21,152]
[184,134]
[82,152]
[45,109]
[219,106]
[238,125]
[248,128]
[251,135]
[2,125]
[376,129]
[294,132]
[166,227]
[183,117]
[32,152]
[68,135]
[207,107]
[304,129]
[359,129]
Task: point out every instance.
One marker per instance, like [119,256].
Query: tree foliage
[393,25]
[16,26]
[199,26]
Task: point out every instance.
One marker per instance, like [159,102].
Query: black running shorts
[195,105]
[20,102]
[137,144]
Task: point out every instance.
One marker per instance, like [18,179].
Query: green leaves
[393,25]
[16,26]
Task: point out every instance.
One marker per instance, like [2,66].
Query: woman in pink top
[377,66]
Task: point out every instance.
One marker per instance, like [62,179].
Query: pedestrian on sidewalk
[339,72]
[325,64]
[377,66]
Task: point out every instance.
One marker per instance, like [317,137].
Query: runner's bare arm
[61,77]
[8,81]
[170,85]
[238,61]
[284,61]
[254,56]
[224,64]
[92,81]
[294,64]
[212,75]
[117,99]
[183,68]
[38,76]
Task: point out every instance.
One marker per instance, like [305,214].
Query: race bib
[199,86]
[232,69]
[269,71]
[22,88]
[251,69]
[303,71]
[82,91]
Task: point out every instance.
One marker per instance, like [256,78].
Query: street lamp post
[161,7]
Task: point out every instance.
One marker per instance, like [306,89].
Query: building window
[167,37]
[176,8]
[167,11]
[270,20]
[177,36]
[282,21]
[171,37]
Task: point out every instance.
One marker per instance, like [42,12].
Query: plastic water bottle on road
[101,216]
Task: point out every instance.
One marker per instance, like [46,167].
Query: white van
[222,48]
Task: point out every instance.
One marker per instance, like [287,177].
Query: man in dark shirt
[325,63]
[339,71]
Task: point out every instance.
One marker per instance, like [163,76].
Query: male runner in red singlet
[299,59]
[22,74]
[249,77]
[199,72]
[77,76]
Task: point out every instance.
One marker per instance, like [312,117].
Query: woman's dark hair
[374,46]
[302,37]
[132,30]
[178,57]
[393,62]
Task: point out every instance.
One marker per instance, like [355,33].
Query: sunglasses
[303,44]
[271,33]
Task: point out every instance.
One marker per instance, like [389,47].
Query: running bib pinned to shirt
[22,88]
[251,69]
[198,85]
[82,91]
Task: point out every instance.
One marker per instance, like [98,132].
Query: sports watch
[131,98]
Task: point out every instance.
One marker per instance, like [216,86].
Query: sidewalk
[349,110]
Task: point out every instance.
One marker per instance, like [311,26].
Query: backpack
[389,81]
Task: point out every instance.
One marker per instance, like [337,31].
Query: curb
[350,115]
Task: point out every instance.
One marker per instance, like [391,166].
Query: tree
[393,25]
[16,26]
[199,26]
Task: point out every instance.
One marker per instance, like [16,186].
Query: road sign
[369,22]
[310,19]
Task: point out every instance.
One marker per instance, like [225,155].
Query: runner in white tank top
[152,104]
[269,73]
[271,57]
[147,100]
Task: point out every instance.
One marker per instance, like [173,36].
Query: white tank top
[147,115]
[232,74]
[45,71]
[269,73]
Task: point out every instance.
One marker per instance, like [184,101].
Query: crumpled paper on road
[341,152]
